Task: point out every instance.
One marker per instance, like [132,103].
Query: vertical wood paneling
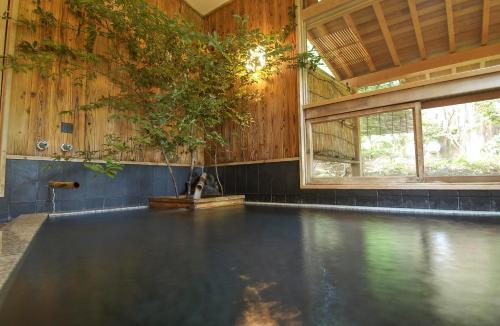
[37,103]
[274,135]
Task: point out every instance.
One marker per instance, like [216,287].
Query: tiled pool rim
[15,239]
[385,210]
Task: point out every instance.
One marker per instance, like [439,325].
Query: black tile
[390,192]
[443,193]
[132,201]
[264,198]
[267,178]
[309,197]
[95,184]
[146,182]
[326,197]
[229,180]
[474,193]
[342,198]
[252,197]
[495,203]
[240,176]
[278,198]
[22,181]
[292,198]
[133,181]
[113,202]
[252,178]
[71,205]
[162,181]
[369,201]
[475,203]
[16,209]
[4,208]
[416,193]
[94,203]
[44,206]
[290,170]
[390,201]
[437,202]
[421,202]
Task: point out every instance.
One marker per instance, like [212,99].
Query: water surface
[257,266]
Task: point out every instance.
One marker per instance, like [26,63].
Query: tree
[176,85]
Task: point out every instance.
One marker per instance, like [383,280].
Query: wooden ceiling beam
[431,63]
[418,29]
[451,26]
[350,23]
[386,32]
[486,22]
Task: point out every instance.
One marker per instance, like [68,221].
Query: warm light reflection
[256,59]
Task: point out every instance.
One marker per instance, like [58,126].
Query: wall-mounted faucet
[66,147]
[42,144]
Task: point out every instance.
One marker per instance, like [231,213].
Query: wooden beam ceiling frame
[418,29]
[334,70]
[386,32]
[350,23]
[431,63]
[343,63]
[486,22]
[451,26]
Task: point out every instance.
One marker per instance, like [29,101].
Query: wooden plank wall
[37,102]
[274,135]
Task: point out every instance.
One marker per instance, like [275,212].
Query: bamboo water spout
[199,186]
[64,184]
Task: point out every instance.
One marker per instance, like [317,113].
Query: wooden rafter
[486,22]
[386,32]
[418,29]
[451,26]
[350,23]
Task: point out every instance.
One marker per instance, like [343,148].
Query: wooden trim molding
[5,100]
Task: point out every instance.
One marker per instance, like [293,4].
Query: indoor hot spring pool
[256,266]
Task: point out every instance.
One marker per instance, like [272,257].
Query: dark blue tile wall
[279,182]
[27,188]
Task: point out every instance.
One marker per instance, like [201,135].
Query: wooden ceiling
[365,42]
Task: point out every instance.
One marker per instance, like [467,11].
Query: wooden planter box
[209,202]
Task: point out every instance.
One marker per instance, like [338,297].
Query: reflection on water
[257,266]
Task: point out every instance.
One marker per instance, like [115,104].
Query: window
[462,139]
[405,144]
[378,144]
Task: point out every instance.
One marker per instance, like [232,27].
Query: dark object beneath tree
[211,187]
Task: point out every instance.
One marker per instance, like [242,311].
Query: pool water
[257,266]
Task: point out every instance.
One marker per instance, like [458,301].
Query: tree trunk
[190,180]
[171,173]
[217,174]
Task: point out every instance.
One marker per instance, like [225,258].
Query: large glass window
[376,144]
[462,139]
[455,142]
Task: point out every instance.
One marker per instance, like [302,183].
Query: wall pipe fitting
[64,184]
